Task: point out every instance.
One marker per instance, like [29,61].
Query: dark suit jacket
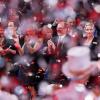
[62,47]
[94,47]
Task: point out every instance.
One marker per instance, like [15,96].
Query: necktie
[59,40]
[59,44]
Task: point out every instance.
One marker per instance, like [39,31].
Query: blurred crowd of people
[46,47]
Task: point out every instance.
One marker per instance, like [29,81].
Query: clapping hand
[51,45]
[8,50]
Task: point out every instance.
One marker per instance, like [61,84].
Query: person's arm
[8,50]
[2,51]
[20,50]
[37,45]
[17,44]
[29,48]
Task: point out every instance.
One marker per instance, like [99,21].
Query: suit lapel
[94,43]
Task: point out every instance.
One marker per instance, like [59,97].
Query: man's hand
[51,45]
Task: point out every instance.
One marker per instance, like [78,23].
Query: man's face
[61,29]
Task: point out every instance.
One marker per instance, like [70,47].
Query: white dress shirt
[61,37]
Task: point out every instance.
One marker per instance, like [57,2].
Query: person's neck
[62,35]
[90,37]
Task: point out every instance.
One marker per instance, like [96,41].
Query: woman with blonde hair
[91,40]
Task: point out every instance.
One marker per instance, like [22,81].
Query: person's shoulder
[96,39]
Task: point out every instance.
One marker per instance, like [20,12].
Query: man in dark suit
[57,53]
[58,45]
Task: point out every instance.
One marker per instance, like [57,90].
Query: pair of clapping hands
[51,46]
[7,50]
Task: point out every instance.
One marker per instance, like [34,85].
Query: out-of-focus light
[16,63]
[26,24]
[60,85]
[80,88]
[98,55]
[4,81]
[58,60]
[73,35]
[42,88]
[96,7]
[34,18]
[2,7]
[49,25]
[49,89]
[0,19]
[64,13]
[27,0]
[19,90]
[89,97]
[28,64]
[51,3]
[30,74]
[37,76]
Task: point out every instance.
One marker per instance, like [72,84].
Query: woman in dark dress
[91,40]
[30,73]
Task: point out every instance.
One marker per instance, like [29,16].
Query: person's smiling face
[61,28]
[89,29]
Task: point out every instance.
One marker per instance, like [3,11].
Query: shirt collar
[62,36]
